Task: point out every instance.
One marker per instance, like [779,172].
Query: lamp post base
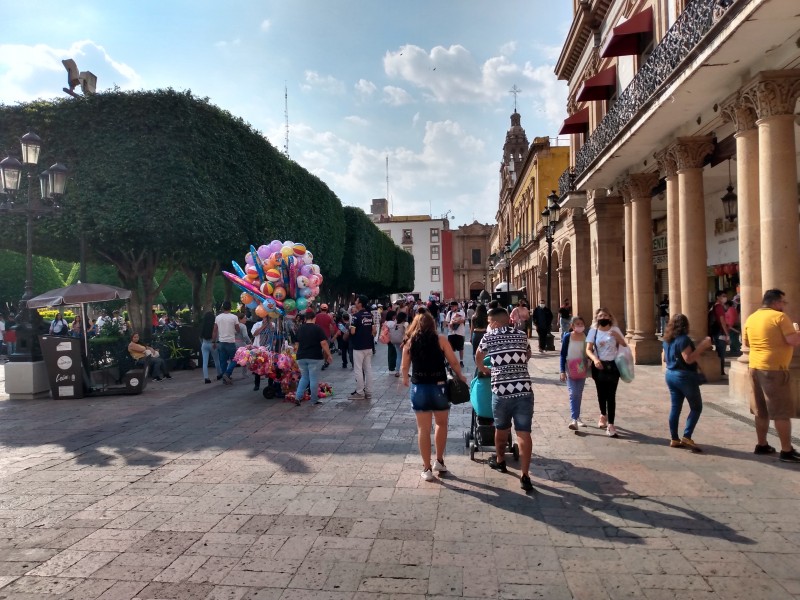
[27,380]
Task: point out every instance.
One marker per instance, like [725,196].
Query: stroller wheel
[515,451]
[466,439]
[472,452]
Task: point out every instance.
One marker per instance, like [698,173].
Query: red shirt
[325,320]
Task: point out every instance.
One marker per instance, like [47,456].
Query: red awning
[624,38]
[599,87]
[577,123]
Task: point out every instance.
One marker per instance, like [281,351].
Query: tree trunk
[208,291]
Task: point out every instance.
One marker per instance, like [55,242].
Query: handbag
[384,337]
[457,390]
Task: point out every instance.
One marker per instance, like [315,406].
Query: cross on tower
[515,90]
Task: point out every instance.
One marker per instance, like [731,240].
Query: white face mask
[541,304]
[578,328]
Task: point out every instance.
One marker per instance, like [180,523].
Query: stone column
[689,154]
[645,347]
[669,170]
[580,293]
[773,95]
[630,317]
[605,214]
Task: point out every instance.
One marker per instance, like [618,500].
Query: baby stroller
[481,431]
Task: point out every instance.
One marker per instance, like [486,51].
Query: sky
[425,83]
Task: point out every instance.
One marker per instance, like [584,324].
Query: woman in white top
[602,343]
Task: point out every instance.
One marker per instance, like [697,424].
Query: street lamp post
[550,217]
[507,258]
[52,183]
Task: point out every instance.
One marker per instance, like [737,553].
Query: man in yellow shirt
[772,337]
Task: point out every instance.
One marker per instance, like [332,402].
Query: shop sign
[659,249]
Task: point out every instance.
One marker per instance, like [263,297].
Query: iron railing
[566,183]
[686,36]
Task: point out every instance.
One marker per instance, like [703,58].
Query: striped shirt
[508,350]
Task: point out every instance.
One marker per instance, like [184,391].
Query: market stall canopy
[79,293]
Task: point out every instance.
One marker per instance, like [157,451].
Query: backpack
[713,322]
[397,333]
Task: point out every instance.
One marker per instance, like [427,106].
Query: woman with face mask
[602,343]
[574,368]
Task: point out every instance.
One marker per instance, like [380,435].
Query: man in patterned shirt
[512,391]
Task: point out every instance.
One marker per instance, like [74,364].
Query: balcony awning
[577,123]
[599,87]
[624,38]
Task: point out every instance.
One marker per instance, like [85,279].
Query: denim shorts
[429,396]
[518,408]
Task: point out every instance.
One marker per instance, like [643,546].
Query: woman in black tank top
[425,352]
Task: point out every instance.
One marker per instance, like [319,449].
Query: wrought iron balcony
[688,35]
[566,183]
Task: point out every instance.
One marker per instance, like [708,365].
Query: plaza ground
[208,491]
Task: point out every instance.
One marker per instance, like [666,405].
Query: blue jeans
[575,387]
[206,348]
[683,384]
[309,377]
[226,350]
[399,349]
[663,323]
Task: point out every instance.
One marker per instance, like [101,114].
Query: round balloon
[306,271]
[246,298]
[279,294]
[273,275]
[299,249]
[261,312]
[263,251]
[287,251]
[289,305]
[248,258]
[314,281]
[314,269]
[308,258]
[302,282]
[301,303]
[275,246]
[288,243]
[319,278]
[267,288]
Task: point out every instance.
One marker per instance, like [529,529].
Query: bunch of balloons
[279,278]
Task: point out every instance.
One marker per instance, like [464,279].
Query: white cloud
[508,48]
[326,83]
[415,119]
[356,120]
[265,25]
[30,72]
[395,96]
[227,44]
[365,88]
[453,75]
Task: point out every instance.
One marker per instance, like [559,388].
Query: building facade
[428,240]
[471,251]
[683,159]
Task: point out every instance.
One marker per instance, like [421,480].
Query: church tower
[515,148]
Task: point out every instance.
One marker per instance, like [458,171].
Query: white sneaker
[439,467]
[611,431]
[580,423]
[573,425]
[427,475]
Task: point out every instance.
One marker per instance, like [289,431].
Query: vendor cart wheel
[515,451]
[472,452]
[268,392]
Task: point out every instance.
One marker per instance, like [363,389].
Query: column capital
[637,186]
[773,93]
[740,113]
[666,163]
[621,185]
[690,152]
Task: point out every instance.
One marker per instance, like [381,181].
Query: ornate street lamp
[729,201]
[550,216]
[52,184]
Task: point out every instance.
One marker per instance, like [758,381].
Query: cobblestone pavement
[208,491]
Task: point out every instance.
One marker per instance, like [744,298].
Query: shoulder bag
[457,390]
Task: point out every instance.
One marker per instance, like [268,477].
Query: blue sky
[424,82]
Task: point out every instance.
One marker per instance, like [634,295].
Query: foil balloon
[239,270]
[279,294]
[257,263]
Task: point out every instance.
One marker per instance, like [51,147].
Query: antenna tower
[286,116]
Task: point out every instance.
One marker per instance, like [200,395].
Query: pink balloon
[319,279]
[314,281]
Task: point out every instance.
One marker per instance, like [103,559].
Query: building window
[408,249]
[434,252]
[407,237]
[435,274]
[434,235]
[477,259]
[388,232]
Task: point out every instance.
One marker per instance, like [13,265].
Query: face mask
[578,328]
[541,304]
[604,322]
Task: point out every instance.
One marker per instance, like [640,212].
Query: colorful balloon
[275,246]
[299,249]
[302,282]
[279,293]
[273,275]
[248,258]
[289,305]
[267,288]
[314,281]
[246,298]
[239,270]
[287,251]
[315,269]
[261,312]
[301,303]
[263,252]
[308,258]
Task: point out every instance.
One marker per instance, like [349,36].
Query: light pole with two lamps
[52,183]
[550,217]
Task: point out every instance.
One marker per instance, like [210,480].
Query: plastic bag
[624,362]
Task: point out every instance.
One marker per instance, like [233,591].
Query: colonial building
[470,253]
[528,175]
[684,159]
[429,240]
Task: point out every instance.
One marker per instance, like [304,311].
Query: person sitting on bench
[147,356]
